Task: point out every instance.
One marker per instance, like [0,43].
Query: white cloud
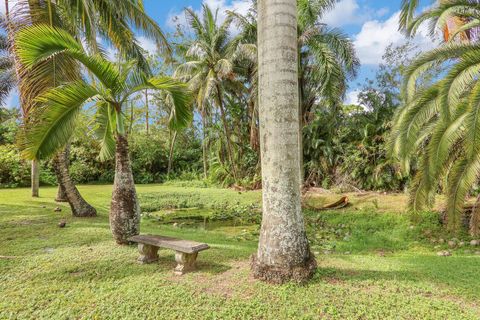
[352,97]
[375,36]
[239,6]
[147,44]
[2,7]
[346,12]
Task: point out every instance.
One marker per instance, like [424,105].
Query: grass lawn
[374,262]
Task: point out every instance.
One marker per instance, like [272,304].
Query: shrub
[14,171]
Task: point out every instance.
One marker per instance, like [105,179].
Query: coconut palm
[439,123]
[327,58]
[59,107]
[209,66]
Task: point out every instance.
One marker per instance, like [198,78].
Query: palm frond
[105,124]
[55,119]
[42,42]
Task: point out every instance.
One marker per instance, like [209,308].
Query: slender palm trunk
[283,250]
[147,118]
[300,129]
[125,209]
[80,207]
[227,132]
[204,145]
[170,154]
[254,142]
[35,178]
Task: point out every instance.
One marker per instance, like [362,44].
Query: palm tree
[90,20]
[246,60]
[208,67]
[327,58]
[439,122]
[113,85]
[283,250]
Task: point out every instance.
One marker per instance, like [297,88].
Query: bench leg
[185,262]
[148,253]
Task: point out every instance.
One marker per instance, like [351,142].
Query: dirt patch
[225,284]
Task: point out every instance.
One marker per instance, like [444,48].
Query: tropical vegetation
[241,130]
[441,116]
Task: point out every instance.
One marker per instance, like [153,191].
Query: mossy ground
[374,263]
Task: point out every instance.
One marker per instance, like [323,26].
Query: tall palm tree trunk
[227,132]
[80,207]
[125,209]
[254,142]
[170,153]
[147,116]
[283,250]
[35,178]
[204,145]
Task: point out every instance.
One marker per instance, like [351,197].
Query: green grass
[378,266]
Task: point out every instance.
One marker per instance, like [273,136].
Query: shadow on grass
[457,273]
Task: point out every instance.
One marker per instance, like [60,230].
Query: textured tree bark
[125,209]
[283,251]
[35,178]
[80,207]
[61,192]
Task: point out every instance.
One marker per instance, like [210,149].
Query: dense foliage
[345,146]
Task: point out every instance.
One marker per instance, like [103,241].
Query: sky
[371,24]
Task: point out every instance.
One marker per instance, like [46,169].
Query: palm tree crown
[440,121]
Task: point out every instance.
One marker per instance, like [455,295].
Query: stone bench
[185,251]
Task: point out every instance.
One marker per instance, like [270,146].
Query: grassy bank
[374,262]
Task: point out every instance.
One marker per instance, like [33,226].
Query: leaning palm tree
[439,123]
[283,250]
[59,107]
[208,67]
[110,21]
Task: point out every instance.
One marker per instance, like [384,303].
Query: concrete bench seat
[186,251]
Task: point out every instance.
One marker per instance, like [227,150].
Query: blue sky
[371,24]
